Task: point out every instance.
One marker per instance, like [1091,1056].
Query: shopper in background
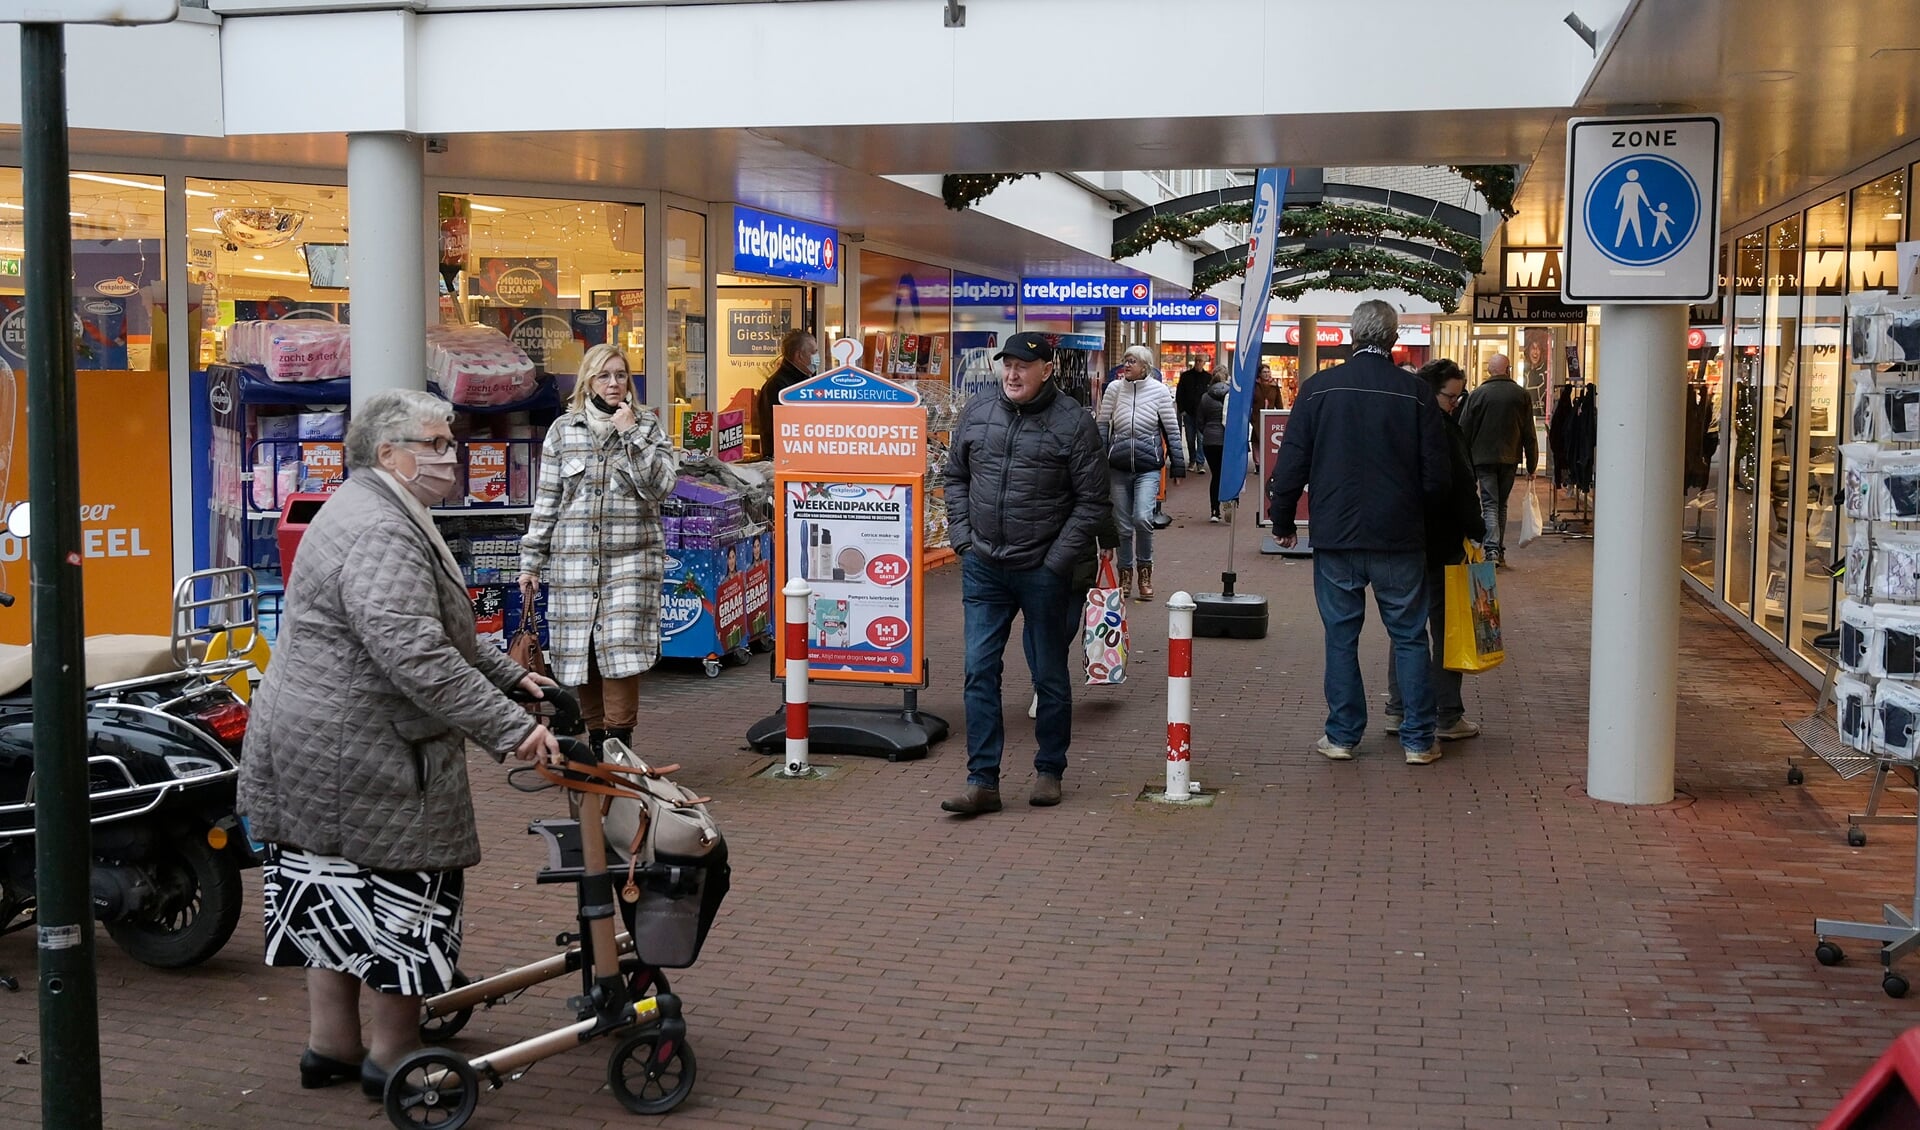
[1498,422]
[1451,523]
[1026,491]
[355,768]
[1368,438]
[1187,395]
[596,539]
[1212,424]
[1141,431]
[799,359]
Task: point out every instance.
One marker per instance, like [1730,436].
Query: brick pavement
[1365,944]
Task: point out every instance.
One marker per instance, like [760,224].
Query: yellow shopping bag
[1473,615]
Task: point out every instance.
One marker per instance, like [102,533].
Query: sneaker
[974,802]
[1458,731]
[1423,756]
[1215,519]
[1393,723]
[1334,752]
[1046,791]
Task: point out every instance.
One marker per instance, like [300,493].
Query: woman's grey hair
[1140,353]
[391,417]
[1375,323]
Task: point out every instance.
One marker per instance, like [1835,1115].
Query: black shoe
[373,1081]
[1046,791]
[974,802]
[624,737]
[318,1070]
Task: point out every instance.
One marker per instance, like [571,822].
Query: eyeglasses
[613,377]
[440,445]
[1449,397]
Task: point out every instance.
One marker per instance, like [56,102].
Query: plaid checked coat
[595,538]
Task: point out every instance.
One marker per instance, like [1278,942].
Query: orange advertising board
[126,508]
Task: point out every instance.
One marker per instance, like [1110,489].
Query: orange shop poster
[126,508]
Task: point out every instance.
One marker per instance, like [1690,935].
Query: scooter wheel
[200,907]
[440,1028]
[649,1075]
[432,1087]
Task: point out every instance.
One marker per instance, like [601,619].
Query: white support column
[1632,709]
[386,187]
[180,362]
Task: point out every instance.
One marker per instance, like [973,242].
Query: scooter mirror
[19,522]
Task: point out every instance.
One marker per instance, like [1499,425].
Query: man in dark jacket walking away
[1450,525]
[799,358]
[1187,396]
[1498,422]
[1026,489]
[1367,436]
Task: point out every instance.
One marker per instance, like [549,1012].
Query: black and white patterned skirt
[398,931]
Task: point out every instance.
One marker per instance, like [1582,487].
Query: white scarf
[601,423]
[423,518]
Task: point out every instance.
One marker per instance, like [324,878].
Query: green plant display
[961,191]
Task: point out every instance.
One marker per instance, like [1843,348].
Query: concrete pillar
[1632,708]
[1309,346]
[386,185]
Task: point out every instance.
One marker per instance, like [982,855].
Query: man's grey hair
[390,417]
[1377,324]
[1141,353]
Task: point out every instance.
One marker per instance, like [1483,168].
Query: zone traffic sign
[1643,210]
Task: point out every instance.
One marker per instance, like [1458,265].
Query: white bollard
[1179,695]
[794,647]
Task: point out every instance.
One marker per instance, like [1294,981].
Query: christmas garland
[1367,223]
[963,190]
[1447,298]
[1366,260]
[1496,184]
[1351,269]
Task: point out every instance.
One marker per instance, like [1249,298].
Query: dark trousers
[1446,684]
[1215,453]
[1050,606]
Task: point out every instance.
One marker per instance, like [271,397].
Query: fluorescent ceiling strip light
[99,179]
[18,208]
[265,271]
[479,207]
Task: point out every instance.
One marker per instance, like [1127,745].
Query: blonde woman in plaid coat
[596,538]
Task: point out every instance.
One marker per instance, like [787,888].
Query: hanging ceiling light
[260,226]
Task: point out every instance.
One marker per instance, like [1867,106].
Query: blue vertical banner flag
[1269,193]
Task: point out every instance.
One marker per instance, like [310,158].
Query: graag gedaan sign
[784,248]
[1643,210]
[1102,292]
[849,478]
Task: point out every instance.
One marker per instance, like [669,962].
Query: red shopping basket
[1886,1096]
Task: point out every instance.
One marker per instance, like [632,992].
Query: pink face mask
[434,476]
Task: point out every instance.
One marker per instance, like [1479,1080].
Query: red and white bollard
[794,649]
[1179,696]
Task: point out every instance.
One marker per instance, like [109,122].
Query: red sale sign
[887,631]
[1273,429]
[887,569]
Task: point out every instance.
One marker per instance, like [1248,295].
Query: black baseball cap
[1026,347]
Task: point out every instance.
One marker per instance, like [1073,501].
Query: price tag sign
[887,569]
[887,631]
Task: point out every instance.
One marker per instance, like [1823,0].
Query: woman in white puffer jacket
[1141,429]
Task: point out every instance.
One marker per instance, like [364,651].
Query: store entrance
[751,315]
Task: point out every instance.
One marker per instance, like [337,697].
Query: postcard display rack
[279,416]
[1876,690]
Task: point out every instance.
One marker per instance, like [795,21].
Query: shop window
[1703,473]
[1745,463]
[906,315]
[262,250]
[1780,423]
[984,313]
[1879,221]
[1816,439]
[688,342]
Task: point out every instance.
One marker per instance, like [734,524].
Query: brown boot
[1146,582]
[973,802]
[1046,791]
[1126,584]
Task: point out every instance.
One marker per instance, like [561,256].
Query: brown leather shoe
[1146,582]
[974,802]
[1126,584]
[1046,791]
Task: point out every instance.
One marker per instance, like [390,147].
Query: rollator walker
[665,906]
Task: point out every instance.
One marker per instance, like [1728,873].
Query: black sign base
[891,732]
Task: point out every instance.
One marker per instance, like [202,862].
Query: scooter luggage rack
[650,1071]
[232,589]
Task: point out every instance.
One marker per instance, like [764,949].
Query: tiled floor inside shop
[1470,943]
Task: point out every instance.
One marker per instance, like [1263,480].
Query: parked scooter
[163,746]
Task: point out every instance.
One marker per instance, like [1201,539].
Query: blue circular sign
[1641,210]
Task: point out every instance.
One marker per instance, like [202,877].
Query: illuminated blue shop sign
[784,248]
[1173,310]
[979,290]
[1102,292]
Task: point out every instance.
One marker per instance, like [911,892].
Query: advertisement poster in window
[854,545]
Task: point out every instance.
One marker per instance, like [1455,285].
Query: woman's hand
[541,745]
[531,683]
[529,591]
[624,419]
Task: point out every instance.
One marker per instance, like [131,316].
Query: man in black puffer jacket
[1026,489]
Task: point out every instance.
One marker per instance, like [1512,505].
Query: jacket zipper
[1004,475]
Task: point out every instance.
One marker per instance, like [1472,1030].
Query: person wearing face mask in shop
[799,360]
[596,538]
[354,773]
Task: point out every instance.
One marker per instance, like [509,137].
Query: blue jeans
[1134,493]
[1195,456]
[1340,580]
[1446,684]
[990,596]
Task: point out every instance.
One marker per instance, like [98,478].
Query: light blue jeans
[1134,493]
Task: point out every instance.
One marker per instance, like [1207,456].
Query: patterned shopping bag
[1103,626]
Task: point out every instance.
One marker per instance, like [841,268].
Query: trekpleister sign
[1643,210]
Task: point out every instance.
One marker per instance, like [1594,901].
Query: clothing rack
[1570,461]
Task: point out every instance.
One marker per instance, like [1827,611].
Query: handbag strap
[1106,572]
[610,782]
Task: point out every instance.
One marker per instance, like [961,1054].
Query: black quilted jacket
[1026,484]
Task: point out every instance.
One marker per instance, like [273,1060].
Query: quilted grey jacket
[356,747]
[596,539]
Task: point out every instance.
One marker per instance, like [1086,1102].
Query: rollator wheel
[440,1029]
[1826,953]
[432,1087]
[1856,836]
[1795,776]
[649,1076]
[1895,985]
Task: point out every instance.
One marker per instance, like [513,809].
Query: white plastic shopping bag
[1103,627]
[1531,523]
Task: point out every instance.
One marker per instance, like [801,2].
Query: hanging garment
[1559,428]
[1699,418]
